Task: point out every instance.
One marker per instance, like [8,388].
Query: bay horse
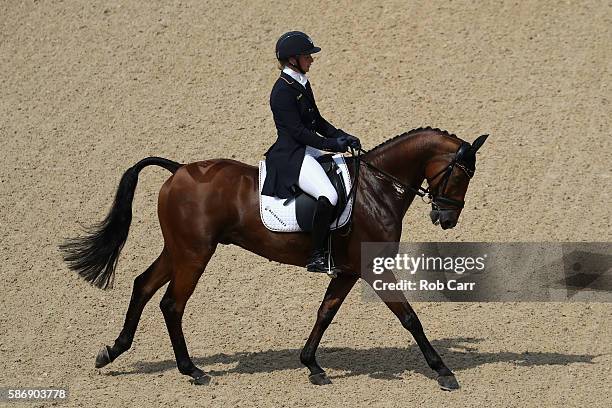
[213,202]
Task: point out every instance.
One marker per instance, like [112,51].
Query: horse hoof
[319,379]
[201,380]
[103,358]
[448,382]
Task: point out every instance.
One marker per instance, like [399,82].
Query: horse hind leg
[145,286]
[187,272]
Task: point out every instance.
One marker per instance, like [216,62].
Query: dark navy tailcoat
[297,121]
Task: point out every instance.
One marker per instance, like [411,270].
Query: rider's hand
[341,144]
[353,141]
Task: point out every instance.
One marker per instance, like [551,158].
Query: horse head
[448,175]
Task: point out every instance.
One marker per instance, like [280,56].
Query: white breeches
[313,179]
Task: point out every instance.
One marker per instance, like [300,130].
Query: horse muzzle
[445,218]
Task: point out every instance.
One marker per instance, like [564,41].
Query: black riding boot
[320,228]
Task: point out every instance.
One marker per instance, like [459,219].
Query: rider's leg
[314,181]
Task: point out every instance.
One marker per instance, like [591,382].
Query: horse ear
[478,143]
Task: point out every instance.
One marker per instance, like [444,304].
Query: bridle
[440,202]
[433,193]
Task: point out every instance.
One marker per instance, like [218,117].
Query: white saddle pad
[280,218]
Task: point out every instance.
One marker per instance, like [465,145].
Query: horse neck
[406,156]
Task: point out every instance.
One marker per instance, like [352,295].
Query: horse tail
[94,256]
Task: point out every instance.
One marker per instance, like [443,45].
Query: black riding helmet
[294,43]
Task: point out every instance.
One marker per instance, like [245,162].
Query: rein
[420,191]
[435,199]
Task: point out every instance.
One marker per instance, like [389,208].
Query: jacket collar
[294,84]
[301,78]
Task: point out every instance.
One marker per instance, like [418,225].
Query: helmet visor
[312,50]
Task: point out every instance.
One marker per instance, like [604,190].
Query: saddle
[297,212]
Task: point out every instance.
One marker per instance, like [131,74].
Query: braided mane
[413,131]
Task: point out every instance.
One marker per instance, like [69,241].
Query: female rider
[299,124]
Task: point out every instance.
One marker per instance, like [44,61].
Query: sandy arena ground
[89,88]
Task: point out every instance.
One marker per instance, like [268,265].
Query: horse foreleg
[396,301]
[183,283]
[145,286]
[336,292]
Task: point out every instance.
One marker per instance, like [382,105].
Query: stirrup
[319,263]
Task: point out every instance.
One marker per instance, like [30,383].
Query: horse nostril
[435,217]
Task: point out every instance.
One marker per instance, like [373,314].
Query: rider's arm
[286,116]
[325,128]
